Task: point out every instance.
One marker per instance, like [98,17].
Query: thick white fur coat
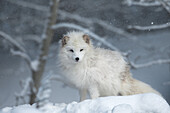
[100,72]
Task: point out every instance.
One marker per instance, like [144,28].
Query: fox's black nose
[77,59]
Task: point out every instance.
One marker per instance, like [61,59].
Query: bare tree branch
[21,52]
[32,37]
[159,61]
[152,27]
[141,3]
[95,36]
[165,5]
[12,41]
[22,55]
[44,91]
[145,3]
[36,66]
[76,17]
[46,40]
[25,90]
[91,21]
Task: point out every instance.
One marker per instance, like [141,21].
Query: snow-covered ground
[142,103]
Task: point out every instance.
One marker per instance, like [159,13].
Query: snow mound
[21,109]
[141,103]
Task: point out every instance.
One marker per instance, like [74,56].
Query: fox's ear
[86,38]
[64,40]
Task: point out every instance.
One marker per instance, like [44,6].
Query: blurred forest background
[139,29]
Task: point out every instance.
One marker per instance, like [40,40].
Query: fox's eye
[81,49]
[71,50]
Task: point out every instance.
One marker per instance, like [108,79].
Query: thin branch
[165,5]
[46,40]
[166,83]
[160,61]
[119,31]
[21,52]
[95,36]
[153,27]
[12,41]
[64,14]
[22,55]
[32,37]
[25,90]
[44,91]
[91,21]
[143,4]
[76,17]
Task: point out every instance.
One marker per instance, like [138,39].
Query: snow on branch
[152,27]
[25,85]
[12,41]
[32,37]
[85,30]
[145,3]
[141,3]
[21,52]
[34,65]
[95,36]
[39,64]
[64,14]
[160,61]
[22,55]
[165,5]
[44,91]
[91,21]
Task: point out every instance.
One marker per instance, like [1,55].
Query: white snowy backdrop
[112,24]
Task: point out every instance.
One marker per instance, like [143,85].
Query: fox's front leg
[93,92]
[83,94]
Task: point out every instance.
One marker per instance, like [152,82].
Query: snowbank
[142,103]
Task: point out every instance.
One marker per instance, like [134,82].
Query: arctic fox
[97,71]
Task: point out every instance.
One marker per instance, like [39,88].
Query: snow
[141,103]
[44,91]
[122,108]
[21,109]
[25,84]
[34,65]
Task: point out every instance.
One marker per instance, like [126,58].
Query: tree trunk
[46,40]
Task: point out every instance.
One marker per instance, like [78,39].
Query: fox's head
[75,46]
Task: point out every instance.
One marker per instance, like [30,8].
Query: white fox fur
[100,72]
